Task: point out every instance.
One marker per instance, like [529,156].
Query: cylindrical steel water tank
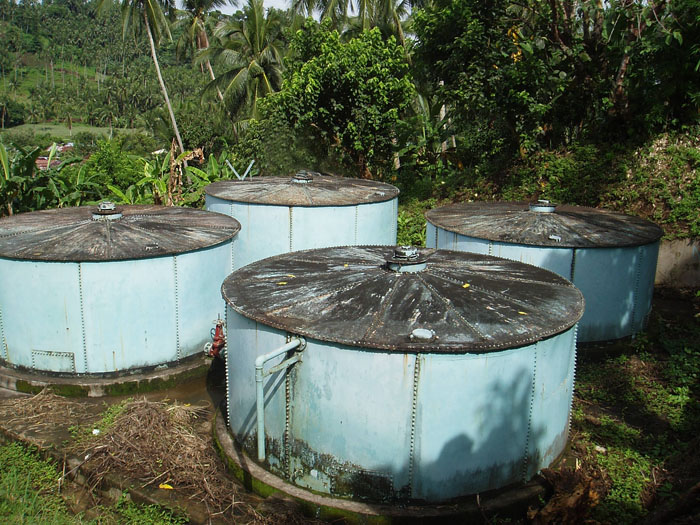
[304,211]
[95,290]
[424,376]
[609,256]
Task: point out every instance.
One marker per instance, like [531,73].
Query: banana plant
[17,178]
[132,195]
[74,187]
[155,176]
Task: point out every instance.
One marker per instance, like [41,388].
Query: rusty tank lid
[106,232]
[545,224]
[305,188]
[405,299]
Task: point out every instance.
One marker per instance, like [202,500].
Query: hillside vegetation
[576,102]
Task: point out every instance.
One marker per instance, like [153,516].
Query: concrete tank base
[509,502]
[141,381]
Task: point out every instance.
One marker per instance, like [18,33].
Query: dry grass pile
[42,411]
[158,444]
[169,445]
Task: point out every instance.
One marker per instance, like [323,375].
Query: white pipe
[259,393]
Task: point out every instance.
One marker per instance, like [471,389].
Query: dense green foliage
[459,99]
[350,95]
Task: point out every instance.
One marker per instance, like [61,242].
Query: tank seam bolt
[414,409]
[82,316]
[177,309]
[2,334]
[356,213]
[637,279]
[533,392]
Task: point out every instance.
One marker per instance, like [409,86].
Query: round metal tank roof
[88,233]
[457,303]
[544,224]
[303,189]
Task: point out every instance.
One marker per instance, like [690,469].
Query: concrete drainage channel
[262,486]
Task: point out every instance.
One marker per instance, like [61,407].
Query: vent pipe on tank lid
[407,259]
[542,206]
[303,177]
[106,211]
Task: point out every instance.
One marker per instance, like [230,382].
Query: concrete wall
[679,264]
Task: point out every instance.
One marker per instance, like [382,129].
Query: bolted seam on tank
[635,296]
[82,317]
[414,410]
[3,342]
[177,309]
[528,434]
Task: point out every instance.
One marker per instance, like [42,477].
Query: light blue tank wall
[110,316]
[617,283]
[402,426]
[268,230]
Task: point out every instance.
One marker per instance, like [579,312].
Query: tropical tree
[140,15]
[335,10]
[195,19]
[352,17]
[388,15]
[249,49]
[347,96]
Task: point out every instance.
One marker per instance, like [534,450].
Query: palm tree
[336,10]
[387,15]
[196,17]
[249,48]
[138,15]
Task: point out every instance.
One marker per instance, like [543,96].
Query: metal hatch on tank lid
[110,289]
[611,257]
[306,210]
[424,375]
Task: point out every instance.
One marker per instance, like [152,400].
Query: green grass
[32,75]
[29,488]
[29,493]
[61,130]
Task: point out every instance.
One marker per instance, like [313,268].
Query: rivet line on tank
[286,463]
[476,347]
[82,316]
[290,228]
[528,434]
[414,410]
[226,373]
[573,379]
[437,237]
[637,279]
[2,334]
[573,266]
[177,309]
[22,232]
[356,214]
[438,272]
[233,260]
[490,247]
